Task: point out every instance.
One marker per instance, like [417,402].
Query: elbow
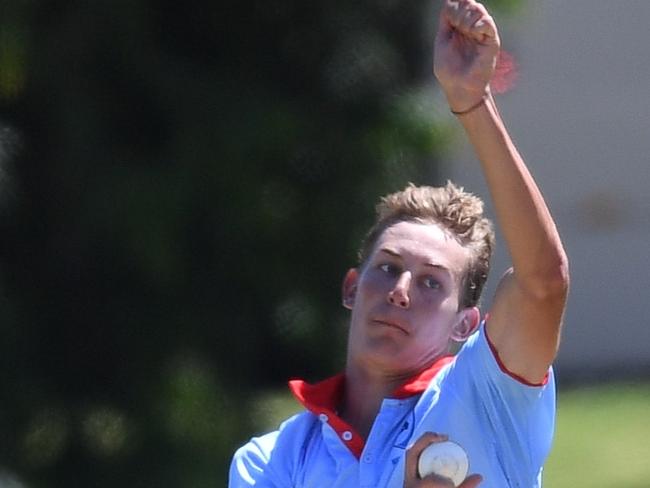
[561,276]
[557,287]
[558,277]
[550,284]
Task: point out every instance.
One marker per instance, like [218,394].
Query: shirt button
[323,417]
[347,435]
[368,458]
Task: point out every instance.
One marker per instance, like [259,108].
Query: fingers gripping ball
[446,459]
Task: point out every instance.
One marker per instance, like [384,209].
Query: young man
[414,293]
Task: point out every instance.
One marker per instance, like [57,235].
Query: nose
[399,295]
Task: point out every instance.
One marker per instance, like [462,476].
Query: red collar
[324,397]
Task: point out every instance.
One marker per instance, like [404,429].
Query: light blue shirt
[505,426]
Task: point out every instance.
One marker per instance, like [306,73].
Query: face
[405,300]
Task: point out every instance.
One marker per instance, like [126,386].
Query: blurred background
[183,186]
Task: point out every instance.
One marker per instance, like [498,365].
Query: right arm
[526,316]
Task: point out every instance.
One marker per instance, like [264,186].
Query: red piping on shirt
[503,368]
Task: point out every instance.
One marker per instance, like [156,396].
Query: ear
[468,321]
[349,288]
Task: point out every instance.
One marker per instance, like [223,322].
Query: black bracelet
[472,108]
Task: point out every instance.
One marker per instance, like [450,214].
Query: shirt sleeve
[478,360]
[519,416]
[250,464]
[270,461]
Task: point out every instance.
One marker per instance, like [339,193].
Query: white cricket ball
[446,459]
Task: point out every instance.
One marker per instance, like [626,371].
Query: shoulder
[257,451]
[290,431]
[478,362]
[270,457]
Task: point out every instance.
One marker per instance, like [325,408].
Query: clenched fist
[466,51]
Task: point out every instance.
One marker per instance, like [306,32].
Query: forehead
[428,243]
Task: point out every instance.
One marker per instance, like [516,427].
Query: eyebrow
[395,254]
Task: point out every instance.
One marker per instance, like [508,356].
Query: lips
[391,323]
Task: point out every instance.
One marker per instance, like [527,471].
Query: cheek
[433,299]
[451,299]
[373,283]
[436,308]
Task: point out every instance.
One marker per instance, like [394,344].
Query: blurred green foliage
[182,186]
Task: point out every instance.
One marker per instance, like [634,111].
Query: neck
[364,393]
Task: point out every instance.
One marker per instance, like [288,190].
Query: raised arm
[526,316]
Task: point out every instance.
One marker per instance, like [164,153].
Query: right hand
[466,50]
[413,480]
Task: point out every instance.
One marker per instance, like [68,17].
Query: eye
[431,282]
[389,268]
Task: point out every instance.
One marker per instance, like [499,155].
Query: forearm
[539,260]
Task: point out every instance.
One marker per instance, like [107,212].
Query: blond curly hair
[455,210]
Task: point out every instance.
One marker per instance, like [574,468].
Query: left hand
[413,480]
[466,51]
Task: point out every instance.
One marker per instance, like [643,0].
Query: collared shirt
[504,424]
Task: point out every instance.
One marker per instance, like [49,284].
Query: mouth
[391,324]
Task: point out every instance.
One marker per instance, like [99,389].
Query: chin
[386,356]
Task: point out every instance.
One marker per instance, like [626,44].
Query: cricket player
[414,293]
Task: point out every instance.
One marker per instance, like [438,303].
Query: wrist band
[472,108]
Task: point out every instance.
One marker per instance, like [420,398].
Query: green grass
[602,437]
